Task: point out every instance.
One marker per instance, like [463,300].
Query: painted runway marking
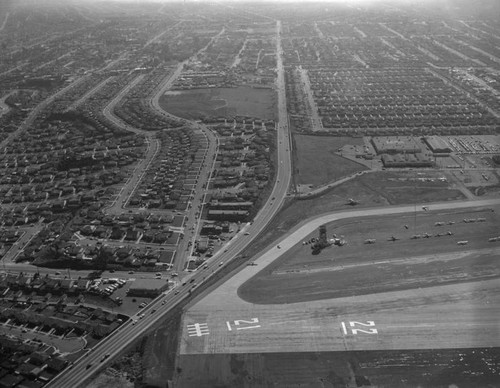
[355,331]
[198,329]
[397,326]
[240,322]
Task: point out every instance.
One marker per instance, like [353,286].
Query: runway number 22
[354,330]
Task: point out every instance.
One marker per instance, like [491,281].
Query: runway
[452,316]
[461,315]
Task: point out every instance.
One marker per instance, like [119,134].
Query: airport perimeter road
[445,316]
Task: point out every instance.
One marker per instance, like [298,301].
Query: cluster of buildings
[370,78]
[134,108]
[396,98]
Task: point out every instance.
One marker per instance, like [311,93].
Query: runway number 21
[354,330]
[243,325]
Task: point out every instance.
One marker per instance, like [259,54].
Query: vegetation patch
[316,162]
[221,102]
[383,254]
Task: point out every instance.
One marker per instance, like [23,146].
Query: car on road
[176,292]
[221,263]
[246,233]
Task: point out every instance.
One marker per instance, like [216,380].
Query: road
[153,147]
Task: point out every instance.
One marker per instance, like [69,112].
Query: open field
[221,102]
[372,189]
[359,268]
[462,367]
[316,161]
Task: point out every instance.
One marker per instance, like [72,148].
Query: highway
[90,364]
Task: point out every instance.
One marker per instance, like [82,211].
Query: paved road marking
[240,322]
[198,329]
[354,331]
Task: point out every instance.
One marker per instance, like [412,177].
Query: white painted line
[422,325]
[228,326]
[344,328]
[248,327]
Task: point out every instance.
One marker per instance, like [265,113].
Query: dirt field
[315,161]
[222,102]
[424,368]
[359,268]
[159,355]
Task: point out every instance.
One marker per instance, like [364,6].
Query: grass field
[371,190]
[221,102]
[315,161]
[358,268]
[408,368]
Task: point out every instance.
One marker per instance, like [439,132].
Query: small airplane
[392,238]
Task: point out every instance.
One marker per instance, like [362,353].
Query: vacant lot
[221,102]
[426,368]
[359,268]
[316,163]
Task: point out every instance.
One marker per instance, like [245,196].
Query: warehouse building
[147,287]
[407,160]
[395,145]
[437,145]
